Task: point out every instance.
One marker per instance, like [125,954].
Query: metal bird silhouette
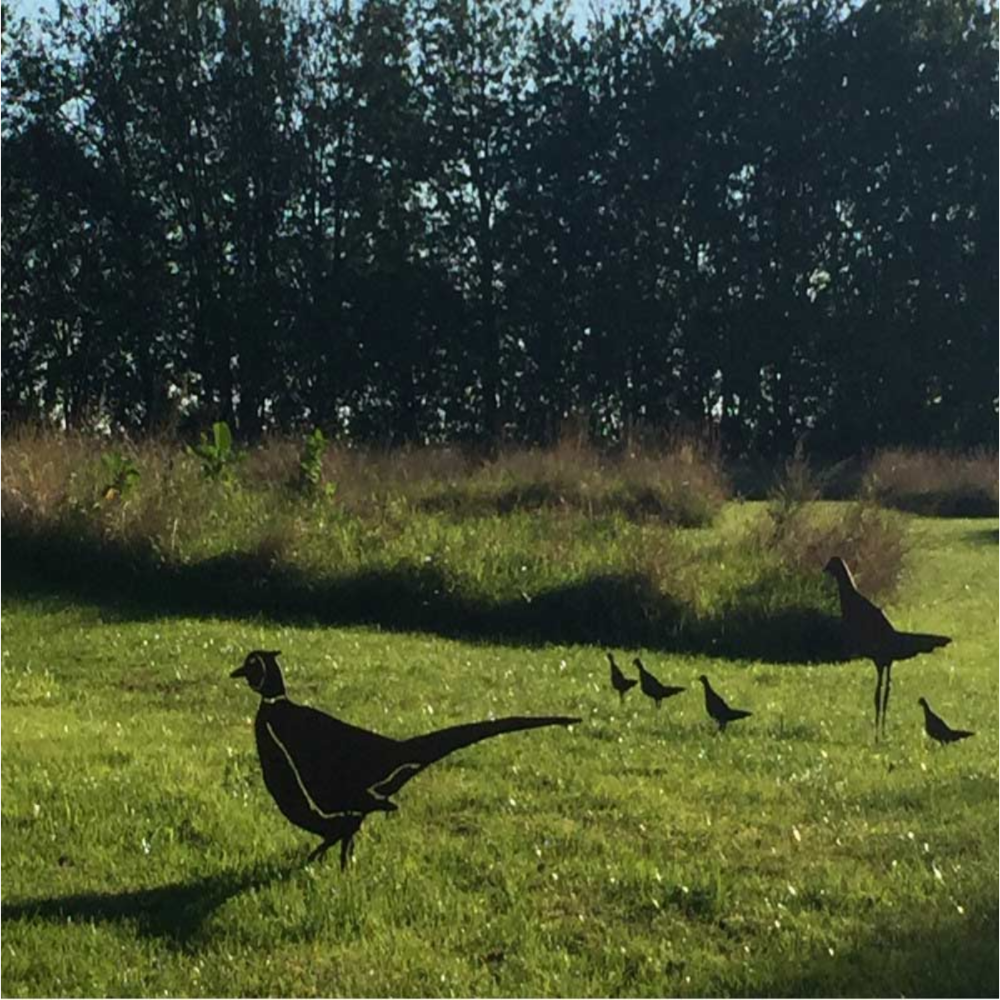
[937,729]
[651,687]
[717,708]
[327,776]
[619,681]
[870,635]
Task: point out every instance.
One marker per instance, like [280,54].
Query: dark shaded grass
[621,609]
[958,957]
[985,536]
[685,508]
[972,502]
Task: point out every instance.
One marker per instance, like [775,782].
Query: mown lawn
[638,854]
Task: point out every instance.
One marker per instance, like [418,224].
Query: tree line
[473,220]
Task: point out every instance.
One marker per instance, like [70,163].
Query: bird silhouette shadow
[173,913]
[984,536]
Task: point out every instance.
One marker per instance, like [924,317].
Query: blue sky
[31,8]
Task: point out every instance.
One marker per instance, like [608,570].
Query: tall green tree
[473,219]
[473,69]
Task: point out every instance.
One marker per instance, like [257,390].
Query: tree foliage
[475,219]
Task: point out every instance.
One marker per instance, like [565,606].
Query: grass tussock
[677,482]
[935,482]
[801,536]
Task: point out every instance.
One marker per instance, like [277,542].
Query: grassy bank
[638,854]
[435,543]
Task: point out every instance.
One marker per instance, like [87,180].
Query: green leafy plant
[311,465]
[121,474]
[218,456]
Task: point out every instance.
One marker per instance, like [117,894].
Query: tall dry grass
[935,482]
[678,482]
[57,484]
[559,544]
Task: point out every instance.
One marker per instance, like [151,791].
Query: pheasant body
[651,686]
[326,775]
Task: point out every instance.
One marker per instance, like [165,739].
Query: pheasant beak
[239,671]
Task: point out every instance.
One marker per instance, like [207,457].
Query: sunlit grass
[638,854]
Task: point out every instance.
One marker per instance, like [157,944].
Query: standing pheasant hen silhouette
[651,686]
[326,776]
[937,729]
[619,681]
[870,635]
[719,709]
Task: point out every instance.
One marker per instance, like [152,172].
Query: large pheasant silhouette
[326,776]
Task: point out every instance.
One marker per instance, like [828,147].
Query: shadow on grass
[173,913]
[620,610]
[984,536]
[973,502]
[953,958]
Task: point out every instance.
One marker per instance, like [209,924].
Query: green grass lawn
[637,854]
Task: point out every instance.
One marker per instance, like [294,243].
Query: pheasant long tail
[910,643]
[434,746]
[420,751]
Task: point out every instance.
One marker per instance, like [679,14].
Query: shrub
[797,486]
[871,540]
[802,535]
[935,482]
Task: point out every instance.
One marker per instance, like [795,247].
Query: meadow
[640,853]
